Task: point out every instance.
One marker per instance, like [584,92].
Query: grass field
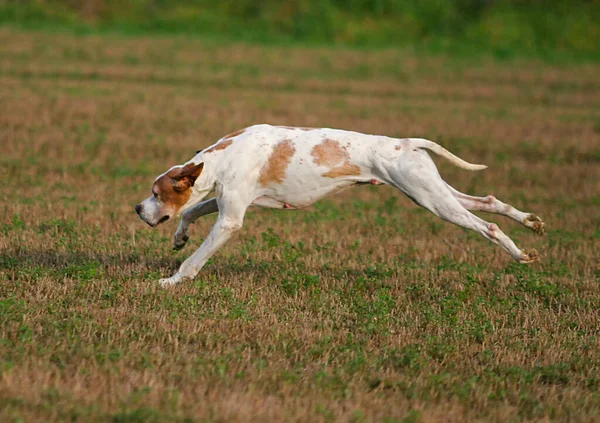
[363,308]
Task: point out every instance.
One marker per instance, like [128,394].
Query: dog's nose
[138,208]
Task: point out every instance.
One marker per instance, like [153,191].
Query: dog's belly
[297,199]
[271,203]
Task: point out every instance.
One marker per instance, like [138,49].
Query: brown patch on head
[274,170]
[173,188]
[220,146]
[330,153]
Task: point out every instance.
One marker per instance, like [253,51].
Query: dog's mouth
[162,220]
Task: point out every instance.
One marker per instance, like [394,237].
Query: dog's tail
[441,151]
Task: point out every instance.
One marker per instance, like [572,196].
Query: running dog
[291,168]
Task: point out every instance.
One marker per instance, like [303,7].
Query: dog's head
[170,193]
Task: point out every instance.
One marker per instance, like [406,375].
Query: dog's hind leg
[491,204]
[230,220]
[416,175]
[190,216]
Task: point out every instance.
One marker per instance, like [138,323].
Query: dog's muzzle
[144,217]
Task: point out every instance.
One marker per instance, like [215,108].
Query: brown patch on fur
[220,146]
[346,169]
[275,169]
[398,147]
[226,141]
[302,128]
[331,153]
[173,188]
[235,134]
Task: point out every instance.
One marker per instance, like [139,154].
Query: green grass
[560,31]
[363,308]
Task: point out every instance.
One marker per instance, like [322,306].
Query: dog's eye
[154,194]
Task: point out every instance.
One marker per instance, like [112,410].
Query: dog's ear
[185,177]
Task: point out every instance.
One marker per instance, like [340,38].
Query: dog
[291,168]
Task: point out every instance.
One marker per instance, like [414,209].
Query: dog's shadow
[22,262]
[78,264]
[52,260]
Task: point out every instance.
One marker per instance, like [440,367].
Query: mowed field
[364,307]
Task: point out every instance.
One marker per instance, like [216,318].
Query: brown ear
[186,176]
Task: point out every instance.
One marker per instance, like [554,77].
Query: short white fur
[233,174]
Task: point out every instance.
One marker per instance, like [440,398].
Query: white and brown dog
[291,168]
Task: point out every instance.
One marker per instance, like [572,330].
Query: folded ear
[192,171]
[185,177]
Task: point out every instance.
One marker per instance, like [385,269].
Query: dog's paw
[529,256]
[534,223]
[166,282]
[179,241]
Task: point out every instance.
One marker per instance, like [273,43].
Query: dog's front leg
[230,220]
[190,216]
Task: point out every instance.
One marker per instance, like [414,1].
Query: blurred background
[364,307]
[502,27]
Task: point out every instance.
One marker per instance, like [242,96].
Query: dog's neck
[205,182]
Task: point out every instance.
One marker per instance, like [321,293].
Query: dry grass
[363,308]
